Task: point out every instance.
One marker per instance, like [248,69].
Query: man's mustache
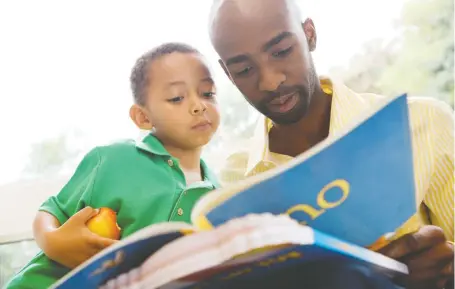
[282,90]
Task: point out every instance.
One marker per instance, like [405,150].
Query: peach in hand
[105,224]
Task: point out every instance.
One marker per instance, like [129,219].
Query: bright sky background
[66,64]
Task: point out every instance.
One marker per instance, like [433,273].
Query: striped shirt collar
[346,105]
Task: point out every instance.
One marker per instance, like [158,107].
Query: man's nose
[270,79]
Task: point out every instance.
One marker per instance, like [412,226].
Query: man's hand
[428,256]
[73,243]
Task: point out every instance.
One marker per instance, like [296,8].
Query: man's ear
[310,33]
[226,71]
[139,116]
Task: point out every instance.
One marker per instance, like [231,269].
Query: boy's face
[181,100]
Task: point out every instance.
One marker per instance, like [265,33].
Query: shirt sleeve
[77,192]
[439,198]
[234,168]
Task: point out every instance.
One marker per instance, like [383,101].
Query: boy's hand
[428,256]
[73,243]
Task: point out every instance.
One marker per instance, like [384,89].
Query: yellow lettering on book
[280,259]
[264,263]
[322,202]
[237,273]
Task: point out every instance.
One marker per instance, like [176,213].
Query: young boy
[155,180]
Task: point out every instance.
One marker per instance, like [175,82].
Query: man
[265,50]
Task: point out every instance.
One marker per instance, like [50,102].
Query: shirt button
[180,211]
[170,162]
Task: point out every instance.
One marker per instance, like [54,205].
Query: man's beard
[292,116]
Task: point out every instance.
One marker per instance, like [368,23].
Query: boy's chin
[200,142]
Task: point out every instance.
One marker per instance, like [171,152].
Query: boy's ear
[226,71]
[140,117]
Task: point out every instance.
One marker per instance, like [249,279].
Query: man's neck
[296,138]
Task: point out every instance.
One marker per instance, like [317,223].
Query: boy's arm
[42,225]
[65,239]
[76,193]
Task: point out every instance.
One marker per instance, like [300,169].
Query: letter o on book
[341,184]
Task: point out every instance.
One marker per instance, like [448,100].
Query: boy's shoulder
[117,151]
[114,148]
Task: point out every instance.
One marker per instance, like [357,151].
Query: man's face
[265,52]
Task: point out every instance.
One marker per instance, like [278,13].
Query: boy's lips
[203,125]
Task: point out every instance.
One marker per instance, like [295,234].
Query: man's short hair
[295,9]
[140,80]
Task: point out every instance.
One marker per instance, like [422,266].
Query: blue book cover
[357,186]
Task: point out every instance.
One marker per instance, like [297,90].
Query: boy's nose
[200,109]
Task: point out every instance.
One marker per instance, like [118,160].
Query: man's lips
[283,103]
[281,99]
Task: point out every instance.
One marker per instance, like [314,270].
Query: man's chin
[288,118]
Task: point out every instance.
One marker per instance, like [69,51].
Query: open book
[351,190]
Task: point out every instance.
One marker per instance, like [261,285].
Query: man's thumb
[84,215]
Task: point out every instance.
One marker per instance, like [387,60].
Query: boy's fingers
[100,242]
[84,215]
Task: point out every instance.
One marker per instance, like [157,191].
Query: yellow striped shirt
[433,147]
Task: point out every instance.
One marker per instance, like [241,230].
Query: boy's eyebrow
[174,83]
[208,79]
[179,82]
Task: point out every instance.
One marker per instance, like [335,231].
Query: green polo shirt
[138,180]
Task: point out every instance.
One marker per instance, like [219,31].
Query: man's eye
[176,99]
[282,53]
[209,94]
[244,72]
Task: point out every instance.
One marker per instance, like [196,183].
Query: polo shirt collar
[151,144]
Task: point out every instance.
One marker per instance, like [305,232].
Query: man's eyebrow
[275,40]
[237,59]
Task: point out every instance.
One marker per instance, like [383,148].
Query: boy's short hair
[139,79]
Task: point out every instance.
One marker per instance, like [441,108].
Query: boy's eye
[244,71]
[209,94]
[282,53]
[176,99]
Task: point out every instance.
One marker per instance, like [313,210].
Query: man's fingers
[439,256]
[442,282]
[426,237]
[448,268]
[83,215]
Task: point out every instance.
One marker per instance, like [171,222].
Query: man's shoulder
[419,107]
[234,167]
[430,115]
[430,105]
